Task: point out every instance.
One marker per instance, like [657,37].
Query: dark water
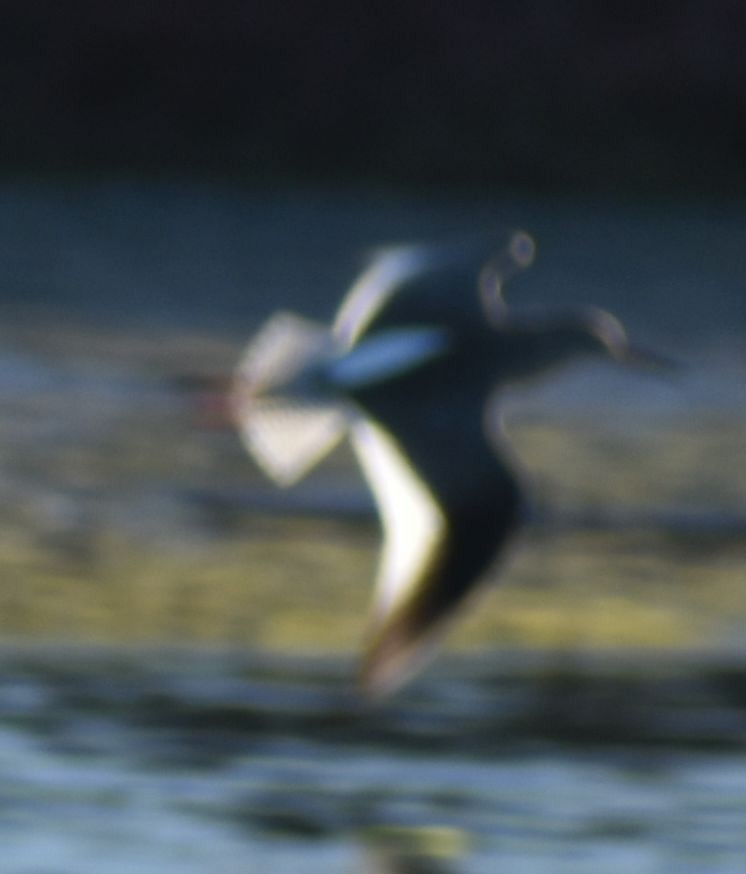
[209,255]
[176,761]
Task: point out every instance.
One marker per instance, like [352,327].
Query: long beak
[648,359]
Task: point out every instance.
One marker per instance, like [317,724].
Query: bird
[408,370]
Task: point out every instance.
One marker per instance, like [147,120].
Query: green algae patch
[125,521]
[305,586]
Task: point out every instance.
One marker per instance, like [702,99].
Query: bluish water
[182,763]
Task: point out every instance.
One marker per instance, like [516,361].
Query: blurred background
[178,638]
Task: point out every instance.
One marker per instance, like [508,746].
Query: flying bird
[420,344]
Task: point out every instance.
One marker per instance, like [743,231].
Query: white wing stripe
[364,300]
[386,354]
[414,527]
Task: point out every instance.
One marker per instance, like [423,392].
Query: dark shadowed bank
[648,96]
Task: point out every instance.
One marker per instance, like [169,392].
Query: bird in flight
[419,346]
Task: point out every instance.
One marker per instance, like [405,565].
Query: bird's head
[547,342]
[599,332]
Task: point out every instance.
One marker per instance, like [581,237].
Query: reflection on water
[173,762]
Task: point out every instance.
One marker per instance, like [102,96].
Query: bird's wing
[388,271]
[414,525]
[458,282]
[436,548]
[285,430]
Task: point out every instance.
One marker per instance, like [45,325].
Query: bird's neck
[530,351]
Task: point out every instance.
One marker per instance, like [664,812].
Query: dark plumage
[420,343]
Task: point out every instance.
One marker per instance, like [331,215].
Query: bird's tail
[286,423]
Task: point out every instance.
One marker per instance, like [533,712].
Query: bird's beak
[649,359]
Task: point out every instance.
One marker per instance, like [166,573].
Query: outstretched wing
[414,525]
[389,271]
[448,502]
[285,429]
[451,284]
